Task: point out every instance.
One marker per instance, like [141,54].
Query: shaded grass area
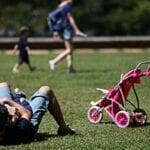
[74,92]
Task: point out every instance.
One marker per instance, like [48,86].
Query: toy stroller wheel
[141,116]
[122,119]
[94,114]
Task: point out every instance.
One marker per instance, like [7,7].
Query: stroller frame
[117,109]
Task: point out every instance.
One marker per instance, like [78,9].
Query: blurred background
[94,17]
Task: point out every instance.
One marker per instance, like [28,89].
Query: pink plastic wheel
[94,114]
[122,119]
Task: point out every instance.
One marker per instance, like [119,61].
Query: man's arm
[72,22]
[24,113]
[74,26]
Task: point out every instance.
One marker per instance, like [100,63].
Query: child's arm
[74,25]
[15,49]
[28,49]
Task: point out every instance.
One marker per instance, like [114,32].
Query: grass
[75,93]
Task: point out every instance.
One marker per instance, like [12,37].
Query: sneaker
[32,69]
[62,131]
[72,70]
[15,70]
[19,93]
[52,65]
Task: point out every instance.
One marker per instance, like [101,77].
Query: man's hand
[13,112]
[17,110]
[81,34]
[56,36]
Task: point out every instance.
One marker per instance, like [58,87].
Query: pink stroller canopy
[120,92]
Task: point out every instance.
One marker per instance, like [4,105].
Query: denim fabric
[67,34]
[39,103]
[5,91]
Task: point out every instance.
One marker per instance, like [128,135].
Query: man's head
[4,115]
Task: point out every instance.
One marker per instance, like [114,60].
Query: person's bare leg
[16,68]
[63,54]
[57,59]
[67,53]
[53,107]
[30,67]
[69,57]
[56,112]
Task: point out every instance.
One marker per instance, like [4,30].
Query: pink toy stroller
[115,98]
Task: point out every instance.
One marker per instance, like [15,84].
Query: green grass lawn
[74,92]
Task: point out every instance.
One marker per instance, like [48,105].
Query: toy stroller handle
[142,63]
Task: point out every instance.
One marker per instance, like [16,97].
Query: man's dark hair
[3,116]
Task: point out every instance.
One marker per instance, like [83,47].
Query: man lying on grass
[19,119]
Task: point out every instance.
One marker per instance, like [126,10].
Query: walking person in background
[23,47]
[63,25]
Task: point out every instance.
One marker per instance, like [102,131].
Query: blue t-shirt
[22,131]
[57,19]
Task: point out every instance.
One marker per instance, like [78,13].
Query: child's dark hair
[23,30]
[3,116]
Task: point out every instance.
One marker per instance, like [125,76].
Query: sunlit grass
[74,92]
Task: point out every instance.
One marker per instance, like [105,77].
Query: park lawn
[74,92]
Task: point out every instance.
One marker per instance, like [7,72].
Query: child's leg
[30,67]
[16,68]
[27,61]
[17,65]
